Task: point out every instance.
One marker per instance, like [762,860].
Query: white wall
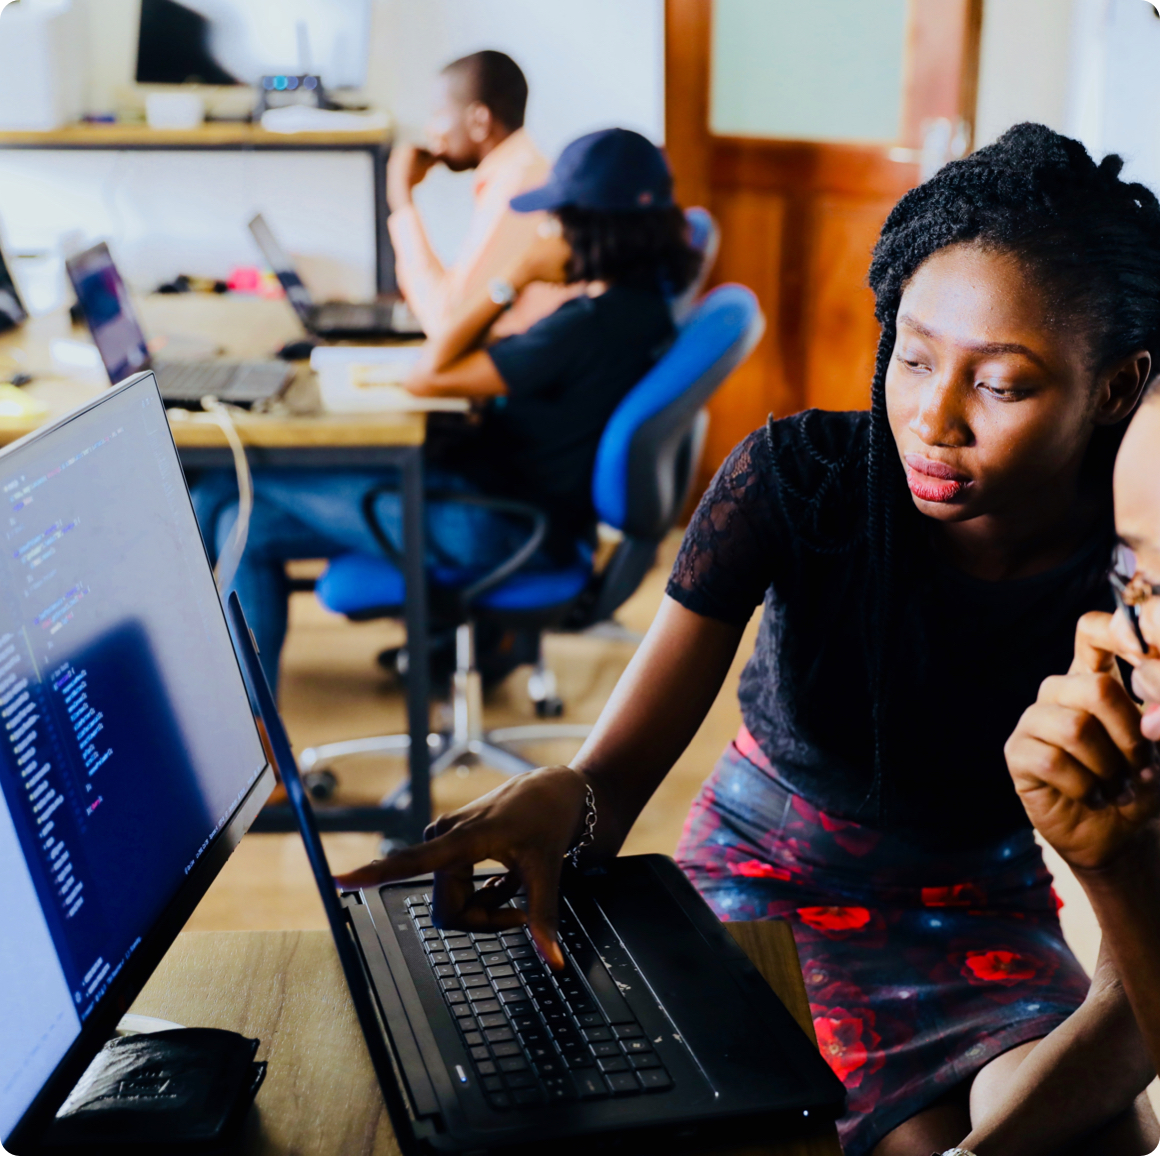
[590,65]
[1024,65]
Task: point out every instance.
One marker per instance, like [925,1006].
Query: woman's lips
[932,481]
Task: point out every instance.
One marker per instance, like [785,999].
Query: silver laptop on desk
[119,338]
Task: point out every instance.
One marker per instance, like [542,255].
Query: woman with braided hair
[922,569]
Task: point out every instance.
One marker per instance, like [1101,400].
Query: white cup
[174,109]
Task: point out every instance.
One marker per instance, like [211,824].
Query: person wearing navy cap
[614,233]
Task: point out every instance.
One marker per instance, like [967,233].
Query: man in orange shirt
[477,123]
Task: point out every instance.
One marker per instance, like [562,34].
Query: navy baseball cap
[614,171]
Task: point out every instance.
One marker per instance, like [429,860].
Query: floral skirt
[920,968]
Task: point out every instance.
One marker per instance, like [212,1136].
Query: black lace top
[784,521]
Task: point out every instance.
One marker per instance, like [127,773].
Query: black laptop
[333,319]
[120,340]
[658,1031]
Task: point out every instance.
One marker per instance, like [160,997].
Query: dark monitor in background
[104,300]
[130,763]
[12,311]
[240,41]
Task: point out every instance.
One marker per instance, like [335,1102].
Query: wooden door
[799,218]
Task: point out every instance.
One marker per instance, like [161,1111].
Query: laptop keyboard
[237,381]
[537,1036]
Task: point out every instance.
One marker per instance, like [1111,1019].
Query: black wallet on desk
[185,1090]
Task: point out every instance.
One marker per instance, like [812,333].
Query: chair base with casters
[467,743]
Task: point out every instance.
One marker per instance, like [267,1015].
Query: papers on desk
[368,379]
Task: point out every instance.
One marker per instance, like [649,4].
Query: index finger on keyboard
[444,851]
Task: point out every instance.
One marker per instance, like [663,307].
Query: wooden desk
[320,1096]
[223,136]
[296,436]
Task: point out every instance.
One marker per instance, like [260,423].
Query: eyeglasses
[1131,588]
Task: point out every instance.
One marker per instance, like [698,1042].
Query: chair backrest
[705,237]
[645,459]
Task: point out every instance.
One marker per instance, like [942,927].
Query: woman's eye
[912,362]
[1001,391]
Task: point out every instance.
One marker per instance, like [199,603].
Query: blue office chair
[645,466]
[705,237]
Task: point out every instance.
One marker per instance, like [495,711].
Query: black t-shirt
[784,520]
[565,377]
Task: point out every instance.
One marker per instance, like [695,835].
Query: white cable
[231,556]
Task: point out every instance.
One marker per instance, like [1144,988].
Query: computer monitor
[240,41]
[12,311]
[110,315]
[130,762]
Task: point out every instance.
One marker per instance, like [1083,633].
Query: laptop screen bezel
[155,942]
[297,293]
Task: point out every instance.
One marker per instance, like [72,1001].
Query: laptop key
[450,984]
[596,1035]
[633,1047]
[655,1079]
[552,1067]
[648,1060]
[485,1068]
[521,950]
[429,933]
[473,1039]
[479,1053]
[520,1080]
[627,1031]
[613,1064]
[476,981]
[623,1084]
[497,970]
[486,1007]
[454,995]
[445,971]
[605,1049]
[473,967]
[506,983]
[559,1088]
[591,1086]
[529,966]
[492,1084]
[494,959]
[575,1059]
[498,1035]
[502,1051]
[439,958]
[526,1097]
[496,1020]
[516,1000]
[500,1100]
[513,1064]
[463,955]
[592,1019]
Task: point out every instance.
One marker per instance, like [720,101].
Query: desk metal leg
[385,280]
[418,650]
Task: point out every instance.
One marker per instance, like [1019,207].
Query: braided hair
[1093,242]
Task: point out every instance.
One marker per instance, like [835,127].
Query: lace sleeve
[727,557]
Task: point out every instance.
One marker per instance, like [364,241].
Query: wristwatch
[954,1152]
[501,291]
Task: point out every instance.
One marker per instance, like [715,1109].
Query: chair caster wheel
[549,707]
[320,785]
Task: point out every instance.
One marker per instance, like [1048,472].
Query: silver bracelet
[956,1152]
[589,834]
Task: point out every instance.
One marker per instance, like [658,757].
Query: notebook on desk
[659,1031]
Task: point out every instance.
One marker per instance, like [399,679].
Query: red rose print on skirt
[827,919]
[999,966]
[957,895]
[756,869]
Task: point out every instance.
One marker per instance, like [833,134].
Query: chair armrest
[515,561]
[520,557]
